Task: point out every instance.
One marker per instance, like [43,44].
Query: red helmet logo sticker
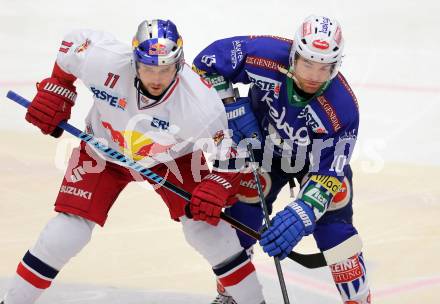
[306,29]
[338,36]
[320,44]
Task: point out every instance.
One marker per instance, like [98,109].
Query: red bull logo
[134,144]
[157,49]
[218,137]
[83,46]
[151,149]
[117,137]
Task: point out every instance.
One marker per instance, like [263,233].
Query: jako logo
[114,101]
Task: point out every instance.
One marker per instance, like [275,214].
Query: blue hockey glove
[287,229]
[242,121]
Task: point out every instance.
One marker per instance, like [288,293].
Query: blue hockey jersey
[320,133]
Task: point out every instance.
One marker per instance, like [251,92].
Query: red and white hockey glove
[52,104]
[215,191]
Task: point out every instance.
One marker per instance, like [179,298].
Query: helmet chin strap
[297,82]
[289,73]
[295,98]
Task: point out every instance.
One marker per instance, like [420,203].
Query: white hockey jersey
[188,114]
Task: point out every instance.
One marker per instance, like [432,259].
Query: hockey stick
[315,260]
[267,222]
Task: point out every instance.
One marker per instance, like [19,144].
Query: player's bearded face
[310,75]
[156,79]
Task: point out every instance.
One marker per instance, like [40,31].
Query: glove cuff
[230,181]
[64,77]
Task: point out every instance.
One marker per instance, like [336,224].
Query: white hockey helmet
[319,39]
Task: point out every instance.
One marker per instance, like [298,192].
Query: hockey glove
[215,191]
[51,105]
[287,229]
[242,121]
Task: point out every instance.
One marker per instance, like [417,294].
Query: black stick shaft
[267,223]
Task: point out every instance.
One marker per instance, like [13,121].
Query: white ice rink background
[392,62]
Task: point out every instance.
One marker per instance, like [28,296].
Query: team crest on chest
[144,102]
